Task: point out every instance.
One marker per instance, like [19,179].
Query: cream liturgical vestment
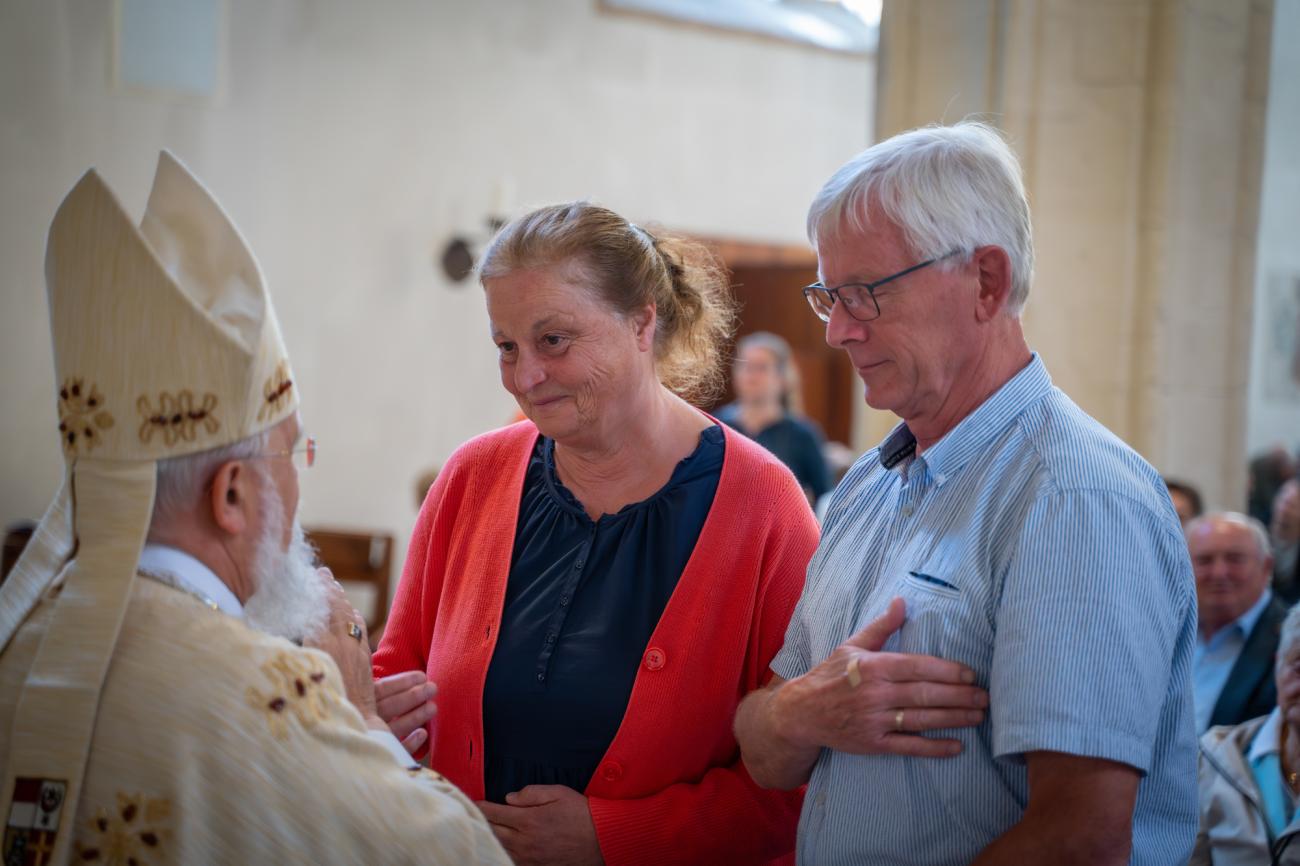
[141,723]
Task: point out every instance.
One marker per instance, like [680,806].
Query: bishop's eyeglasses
[303,453]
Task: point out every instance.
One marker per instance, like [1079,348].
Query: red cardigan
[672,787]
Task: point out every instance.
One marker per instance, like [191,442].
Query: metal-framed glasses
[303,454]
[858,299]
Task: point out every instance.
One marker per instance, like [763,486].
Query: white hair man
[1249,772]
[155,705]
[990,661]
[1237,619]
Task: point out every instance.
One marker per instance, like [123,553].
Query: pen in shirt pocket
[934,581]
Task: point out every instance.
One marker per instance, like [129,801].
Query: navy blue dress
[796,442]
[582,599]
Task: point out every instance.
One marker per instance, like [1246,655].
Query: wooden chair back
[362,562]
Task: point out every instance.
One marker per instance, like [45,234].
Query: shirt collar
[976,430]
[1246,622]
[1268,740]
[190,575]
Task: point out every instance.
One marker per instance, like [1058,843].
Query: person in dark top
[766,383]
[594,588]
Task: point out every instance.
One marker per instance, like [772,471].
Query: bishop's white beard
[290,599]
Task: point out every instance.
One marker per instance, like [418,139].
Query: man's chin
[879,399]
[290,601]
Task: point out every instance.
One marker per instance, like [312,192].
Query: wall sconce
[461,252]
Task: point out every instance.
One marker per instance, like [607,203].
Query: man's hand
[405,702]
[546,825]
[857,700]
[350,653]
[896,696]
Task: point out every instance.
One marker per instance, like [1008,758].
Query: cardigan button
[655,658]
[612,771]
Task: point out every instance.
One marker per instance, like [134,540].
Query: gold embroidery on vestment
[82,416]
[136,832]
[298,690]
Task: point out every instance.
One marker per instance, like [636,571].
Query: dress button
[612,771]
[655,658]
[578,565]
[907,511]
[564,600]
[541,678]
[550,638]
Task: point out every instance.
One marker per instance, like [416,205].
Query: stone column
[1139,124]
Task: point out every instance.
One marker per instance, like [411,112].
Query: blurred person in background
[1250,775]
[768,406]
[1267,473]
[1186,499]
[1237,617]
[1285,532]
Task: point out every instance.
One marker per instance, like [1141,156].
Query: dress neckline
[710,438]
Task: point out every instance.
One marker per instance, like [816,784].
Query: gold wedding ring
[898,720]
[851,671]
[355,631]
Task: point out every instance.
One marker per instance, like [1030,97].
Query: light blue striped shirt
[1035,547]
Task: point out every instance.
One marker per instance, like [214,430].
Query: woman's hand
[405,703]
[546,825]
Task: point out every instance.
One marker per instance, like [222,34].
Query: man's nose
[1218,567]
[843,329]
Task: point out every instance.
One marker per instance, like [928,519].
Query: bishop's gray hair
[947,188]
[183,481]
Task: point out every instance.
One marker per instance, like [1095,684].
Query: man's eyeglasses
[303,454]
[858,299]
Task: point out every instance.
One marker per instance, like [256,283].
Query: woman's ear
[644,322]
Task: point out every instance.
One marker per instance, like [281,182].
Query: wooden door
[767,281]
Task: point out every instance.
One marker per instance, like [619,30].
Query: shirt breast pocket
[945,618]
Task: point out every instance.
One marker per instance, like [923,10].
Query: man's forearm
[773,760]
[1080,811]
[1039,841]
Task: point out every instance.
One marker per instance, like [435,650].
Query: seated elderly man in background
[1249,773]
[1238,619]
[151,708]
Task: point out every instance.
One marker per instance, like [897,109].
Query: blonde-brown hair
[628,267]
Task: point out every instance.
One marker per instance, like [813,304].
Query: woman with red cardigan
[595,589]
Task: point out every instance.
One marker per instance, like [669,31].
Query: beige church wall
[1275,372]
[350,141]
[1139,124]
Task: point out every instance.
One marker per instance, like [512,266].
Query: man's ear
[643,323]
[233,498]
[993,269]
